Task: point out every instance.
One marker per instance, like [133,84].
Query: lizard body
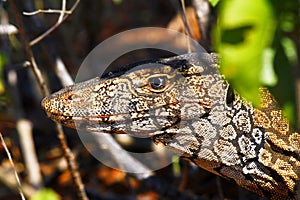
[184,103]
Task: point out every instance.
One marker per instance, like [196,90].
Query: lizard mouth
[76,119]
[99,124]
[88,121]
[65,117]
[59,118]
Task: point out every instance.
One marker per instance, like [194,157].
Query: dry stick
[63,11]
[24,128]
[202,9]
[25,135]
[126,161]
[72,165]
[48,11]
[62,73]
[297,91]
[296,39]
[57,24]
[33,65]
[45,91]
[5,178]
[13,166]
[186,26]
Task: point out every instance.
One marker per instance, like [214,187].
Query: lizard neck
[253,147]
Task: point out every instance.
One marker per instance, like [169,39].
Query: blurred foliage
[117,1]
[45,194]
[270,34]
[176,166]
[213,2]
[256,44]
[245,31]
[2,63]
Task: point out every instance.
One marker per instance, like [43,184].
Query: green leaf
[268,76]
[117,1]
[45,194]
[290,49]
[244,31]
[289,112]
[176,166]
[213,2]
[2,63]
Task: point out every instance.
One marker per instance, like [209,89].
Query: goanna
[184,103]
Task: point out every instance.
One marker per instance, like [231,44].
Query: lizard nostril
[70,96]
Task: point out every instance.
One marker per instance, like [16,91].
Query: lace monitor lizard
[184,103]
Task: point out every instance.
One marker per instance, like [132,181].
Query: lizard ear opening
[230,97]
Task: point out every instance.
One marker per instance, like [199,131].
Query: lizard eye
[158,83]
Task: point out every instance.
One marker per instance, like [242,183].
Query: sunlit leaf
[289,49]
[244,31]
[117,1]
[176,166]
[287,22]
[267,75]
[289,112]
[213,2]
[284,65]
[45,194]
[2,63]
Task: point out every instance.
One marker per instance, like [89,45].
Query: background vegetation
[259,44]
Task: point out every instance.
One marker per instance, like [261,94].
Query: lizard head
[147,99]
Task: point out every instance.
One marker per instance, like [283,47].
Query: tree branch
[45,91]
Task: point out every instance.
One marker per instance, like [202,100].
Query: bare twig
[45,91]
[7,29]
[28,51]
[5,178]
[186,25]
[203,11]
[13,166]
[62,73]
[297,91]
[24,129]
[18,66]
[61,19]
[63,9]
[48,11]
[296,40]
[125,161]
[72,165]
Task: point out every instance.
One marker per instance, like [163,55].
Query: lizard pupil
[158,83]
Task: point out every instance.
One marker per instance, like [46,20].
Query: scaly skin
[184,103]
